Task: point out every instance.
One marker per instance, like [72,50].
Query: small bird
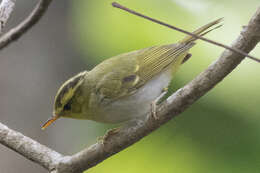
[126,86]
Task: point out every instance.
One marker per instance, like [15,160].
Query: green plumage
[137,67]
[116,81]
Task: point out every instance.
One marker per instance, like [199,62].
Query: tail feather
[202,31]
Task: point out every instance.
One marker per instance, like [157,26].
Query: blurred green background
[219,133]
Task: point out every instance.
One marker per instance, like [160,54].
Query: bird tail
[202,31]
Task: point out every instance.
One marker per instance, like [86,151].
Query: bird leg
[104,139]
[154,103]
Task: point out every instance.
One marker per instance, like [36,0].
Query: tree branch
[29,148]
[173,106]
[30,21]
[6,8]
[116,141]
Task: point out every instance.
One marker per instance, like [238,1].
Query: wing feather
[142,65]
[122,75]
[155,60]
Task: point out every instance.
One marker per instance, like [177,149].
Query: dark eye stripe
[67,106]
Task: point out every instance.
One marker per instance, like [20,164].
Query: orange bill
[49,121]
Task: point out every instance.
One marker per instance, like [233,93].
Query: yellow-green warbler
[123,87]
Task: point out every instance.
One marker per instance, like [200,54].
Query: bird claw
[154,103]
[109,133]
[153,110]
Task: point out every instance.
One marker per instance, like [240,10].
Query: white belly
[138,104]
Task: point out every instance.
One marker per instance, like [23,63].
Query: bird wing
[157,59]
[124,74]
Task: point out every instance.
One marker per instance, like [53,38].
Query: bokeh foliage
[219,133]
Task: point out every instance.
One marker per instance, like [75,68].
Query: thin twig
[6,8]
[25,25]
[117,5]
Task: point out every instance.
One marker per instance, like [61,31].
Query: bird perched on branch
[126,86]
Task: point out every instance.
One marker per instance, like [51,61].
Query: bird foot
[109,133]
[154,103]
[153,110]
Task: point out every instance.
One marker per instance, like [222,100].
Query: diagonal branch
[173,106]
[29,148]
[6,8]
[16,32]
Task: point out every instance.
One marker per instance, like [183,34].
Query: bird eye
[67,107]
